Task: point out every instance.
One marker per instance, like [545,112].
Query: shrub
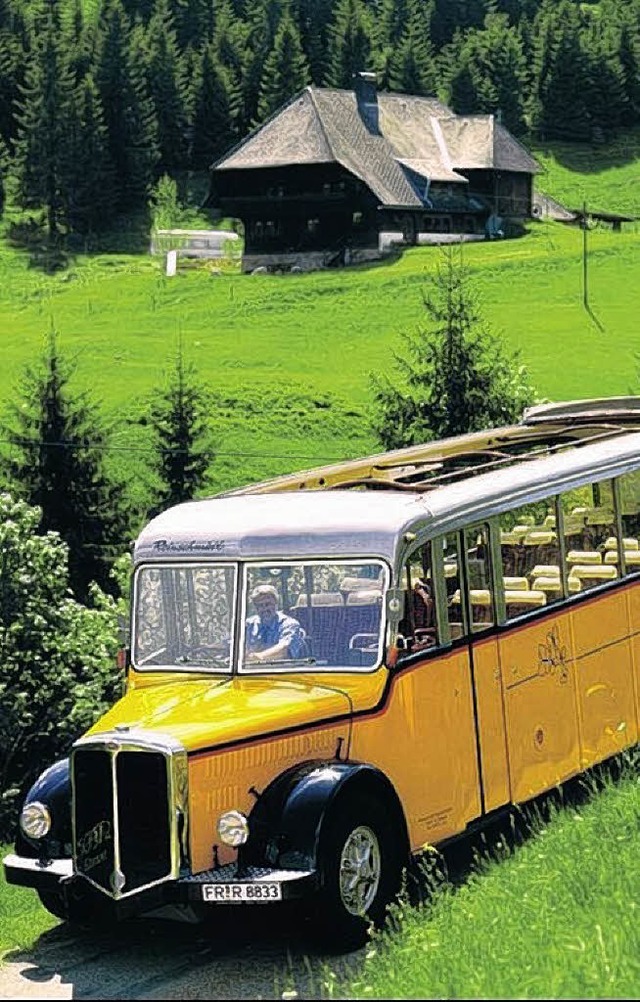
[57,656]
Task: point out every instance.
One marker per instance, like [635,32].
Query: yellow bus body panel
[603,651]
[240,734]
[422,738]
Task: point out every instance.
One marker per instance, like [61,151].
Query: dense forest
[99,98]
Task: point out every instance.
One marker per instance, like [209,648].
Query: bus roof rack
[610,409]
[542,431]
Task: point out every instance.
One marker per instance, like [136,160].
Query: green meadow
[288,358]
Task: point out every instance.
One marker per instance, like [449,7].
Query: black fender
[287,820]
[53,789]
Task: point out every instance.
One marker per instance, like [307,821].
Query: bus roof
[297,524]
[364,523]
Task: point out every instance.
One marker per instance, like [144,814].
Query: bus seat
[511,536]
[590,575]
[349,584]
[540,547]
[319,598]
[549,521]
[551,585]
[363,611]
[519,602]
[632,557]
[611,557]
[516,583]
[628,543]
[584,557]
[481,605]
[323,623]
[545,571]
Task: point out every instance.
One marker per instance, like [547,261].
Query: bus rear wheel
[360,871]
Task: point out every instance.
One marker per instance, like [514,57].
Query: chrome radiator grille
[129,806]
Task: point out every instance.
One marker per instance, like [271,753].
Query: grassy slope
[607,178]
[555,917]
[291,356]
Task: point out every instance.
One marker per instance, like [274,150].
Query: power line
[21,443]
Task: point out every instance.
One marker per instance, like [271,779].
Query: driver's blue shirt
[259,636]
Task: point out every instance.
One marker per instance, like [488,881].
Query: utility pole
[585,274]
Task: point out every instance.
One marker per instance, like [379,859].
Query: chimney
[366,91]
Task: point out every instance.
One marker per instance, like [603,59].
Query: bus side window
[531,574]
[451,556]
[419,624]
[481,605]
[629,494]
[591,536]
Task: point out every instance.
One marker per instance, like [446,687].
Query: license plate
[242,893]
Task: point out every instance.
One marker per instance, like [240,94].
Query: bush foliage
[57,656]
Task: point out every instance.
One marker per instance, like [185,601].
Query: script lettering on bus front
[552,657]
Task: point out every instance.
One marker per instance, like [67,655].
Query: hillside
[289,358]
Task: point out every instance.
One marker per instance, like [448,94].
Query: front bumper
[58,875]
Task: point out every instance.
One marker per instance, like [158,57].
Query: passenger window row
[600,543]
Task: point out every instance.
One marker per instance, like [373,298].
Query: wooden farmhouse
[339,176]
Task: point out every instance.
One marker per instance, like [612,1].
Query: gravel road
[257,954]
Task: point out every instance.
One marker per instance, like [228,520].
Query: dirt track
[254,955]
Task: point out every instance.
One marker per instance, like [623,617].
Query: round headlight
[233,828]
[35,819]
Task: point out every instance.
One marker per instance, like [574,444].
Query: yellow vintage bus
[332,670]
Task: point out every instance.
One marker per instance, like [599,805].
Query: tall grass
[553,916]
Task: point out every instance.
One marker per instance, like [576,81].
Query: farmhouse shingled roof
[385,143]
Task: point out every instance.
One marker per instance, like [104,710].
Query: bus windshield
[320,613]
[184,616]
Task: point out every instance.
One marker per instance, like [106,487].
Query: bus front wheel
[360,871]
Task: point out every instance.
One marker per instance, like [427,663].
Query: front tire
[360,869]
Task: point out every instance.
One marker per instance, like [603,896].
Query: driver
[270,635]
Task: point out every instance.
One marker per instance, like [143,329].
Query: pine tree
[286,70]
[57,464]
[12,59]
[410,66]
[608,97]
[215,111]
[229,40]
[350,43]
[455,375]
[164,77]
[561,80]
[90,195]
[490,65]
[43,121]
[128,109]
[313,18]
[178,419]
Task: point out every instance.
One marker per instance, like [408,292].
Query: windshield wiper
[280,661]
[185,659]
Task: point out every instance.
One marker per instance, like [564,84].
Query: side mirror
[123,658]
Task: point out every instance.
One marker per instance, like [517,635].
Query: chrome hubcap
[359,870]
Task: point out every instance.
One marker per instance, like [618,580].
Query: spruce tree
[410,65]
[168,92]
[561,82]
[90,195]
[130,120]
[43,122]
[215,110]
[455,377]
[57,463]
[286,70]
[350,43]
[179,423]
